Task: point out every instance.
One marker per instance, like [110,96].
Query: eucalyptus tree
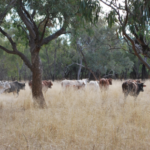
[132,17]
[103,49]
[33,19]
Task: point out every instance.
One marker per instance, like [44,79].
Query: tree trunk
[80,67]
[89,75]
[125,74]
[49,65]
[37,94]
[55,53]
[144,71]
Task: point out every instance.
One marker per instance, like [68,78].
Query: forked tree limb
[15,50]
[26,19]
[87,66]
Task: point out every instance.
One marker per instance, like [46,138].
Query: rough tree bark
[37,80]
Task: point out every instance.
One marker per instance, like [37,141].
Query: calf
[104,83]
[15,87]
[132,88]
[76,84]
[45,85]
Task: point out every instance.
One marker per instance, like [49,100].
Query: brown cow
[45,85]
[132,87]
[104,83]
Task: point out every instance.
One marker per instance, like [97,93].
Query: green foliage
[103,49]
[111,18]
[138,17]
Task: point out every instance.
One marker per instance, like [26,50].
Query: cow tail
[124,87]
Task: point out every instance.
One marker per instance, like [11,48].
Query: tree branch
[15,51]
[114,8]
[9,38]
[26,20]
[86,65]
[6,50]
[58,33]
[25,32]
[33,14]
[53,36]
[43,32]
[8,7]
[134,49]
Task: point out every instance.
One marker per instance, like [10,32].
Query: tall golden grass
[76,120]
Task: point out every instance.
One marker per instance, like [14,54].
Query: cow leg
[17,92]
[124,100]
[44,92]
[14,93]
[125,96]
[135,98]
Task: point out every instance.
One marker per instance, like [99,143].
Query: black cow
[15,87]
[132,88]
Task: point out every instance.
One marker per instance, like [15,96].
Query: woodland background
[105,53]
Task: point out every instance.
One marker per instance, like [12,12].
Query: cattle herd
[129,87]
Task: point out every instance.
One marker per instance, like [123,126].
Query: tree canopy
[133,20]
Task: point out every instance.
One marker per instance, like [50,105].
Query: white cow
[77,84]
[4,86]
[85,81]
[93,85]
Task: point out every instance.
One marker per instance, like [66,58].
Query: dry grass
[80,120]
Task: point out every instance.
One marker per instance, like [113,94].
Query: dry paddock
[76,120]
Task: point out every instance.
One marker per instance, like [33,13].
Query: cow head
[30,83]
[22,85]
[110,81]
[141,85]
[50,84]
